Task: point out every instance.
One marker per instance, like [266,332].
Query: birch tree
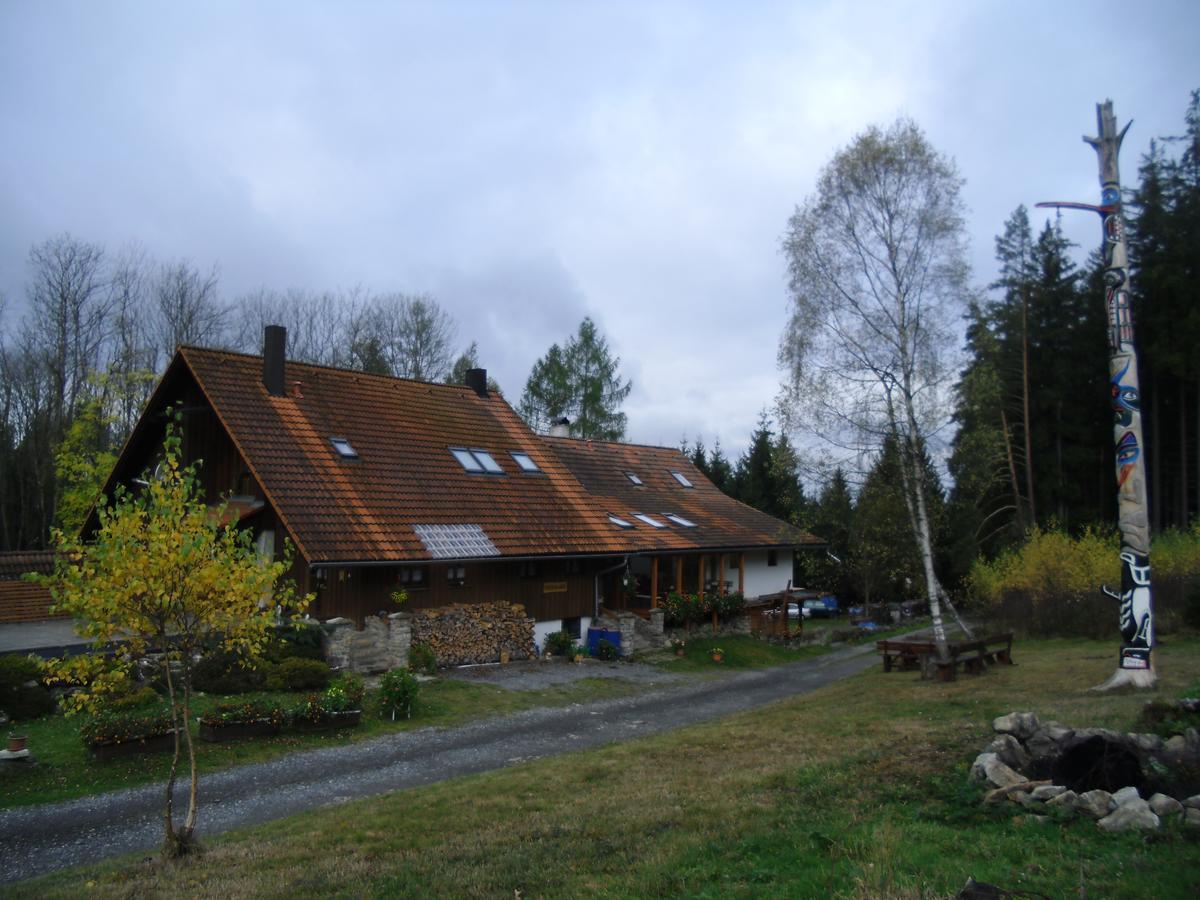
[876,265]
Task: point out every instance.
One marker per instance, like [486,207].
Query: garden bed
[121,749]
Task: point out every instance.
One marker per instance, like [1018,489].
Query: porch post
[721,577]
[742,573]
[700,575]
[679,575]
[654,582]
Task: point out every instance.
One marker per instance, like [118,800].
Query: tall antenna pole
[1136,618]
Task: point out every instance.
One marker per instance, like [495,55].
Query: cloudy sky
[532,163]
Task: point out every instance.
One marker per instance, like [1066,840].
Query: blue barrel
[596,635]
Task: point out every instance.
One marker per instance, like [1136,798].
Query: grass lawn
[855,790]
[65,769]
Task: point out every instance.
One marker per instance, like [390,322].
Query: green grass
[65,769]
[856,790]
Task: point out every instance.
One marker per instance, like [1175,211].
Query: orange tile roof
[364,509]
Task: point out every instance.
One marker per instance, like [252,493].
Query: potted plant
[16,742]
[576,653]
[717,654]
[678,645]
[234,720]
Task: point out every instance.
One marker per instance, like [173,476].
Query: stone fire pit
[1121,780]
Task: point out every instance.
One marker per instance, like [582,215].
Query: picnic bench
[973,655]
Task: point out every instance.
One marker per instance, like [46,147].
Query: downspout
[596,582]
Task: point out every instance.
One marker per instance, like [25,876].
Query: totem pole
[1136,617]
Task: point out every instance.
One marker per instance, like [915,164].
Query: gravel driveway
[39,839]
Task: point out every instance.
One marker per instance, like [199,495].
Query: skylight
[682,479]
[632,476]
[680,520]
[649,521]
[343,447]
[475,460]
[619,522]
[467,459]
[525,461]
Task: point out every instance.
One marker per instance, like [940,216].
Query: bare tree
[409,336]
[316,323]
[877,267]
[185,308]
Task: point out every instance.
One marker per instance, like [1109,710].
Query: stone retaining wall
[382,644]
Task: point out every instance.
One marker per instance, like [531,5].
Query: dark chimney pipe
[477,381]
[274,348]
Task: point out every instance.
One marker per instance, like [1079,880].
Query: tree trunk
[1183,456]
[1025,402]
[1012,474]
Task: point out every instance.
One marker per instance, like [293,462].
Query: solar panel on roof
[455,541]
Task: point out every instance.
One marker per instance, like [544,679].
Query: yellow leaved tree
[163,574]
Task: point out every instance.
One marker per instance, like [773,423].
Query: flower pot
[679,652]
[331,722]
[717,657]
[16,742]
[154,744]
[235,731]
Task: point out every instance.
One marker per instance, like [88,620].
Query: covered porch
[654,576]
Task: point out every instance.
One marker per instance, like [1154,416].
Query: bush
[398,691]
[344,694]
[606,650]
[298,674]
[685,609]
[239,712]
[123,726]
[730,606]
[294,640]
[137,697]
[22,694]
[421,659]
[559,643]
[221,672]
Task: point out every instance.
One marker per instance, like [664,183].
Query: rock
[1136,814]
[1175,746]
[1000,774]
[1162,805]
[1066,801]
[1192,802]
[1125,795]
[1010,751]
[1096,804]
[978,771]
[1048,791]
[1020,725]
[1191,816]
[1149,743]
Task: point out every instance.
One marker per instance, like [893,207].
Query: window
[632,476]
[529,569]
[682,479]
[772,557]
[680,520]
[619,522]
[343,447]
[573,626]
[642,517]
[525,461]
[475,460]
[574,566]
[414,578]
[456,576]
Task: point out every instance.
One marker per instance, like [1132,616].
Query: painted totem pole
[1136,616]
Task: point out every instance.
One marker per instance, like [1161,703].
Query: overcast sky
[532,163]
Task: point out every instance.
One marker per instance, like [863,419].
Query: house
[383,484]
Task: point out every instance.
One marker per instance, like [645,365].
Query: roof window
[680,520]
[344,448]
[632,476]
[475,460]
[654,523]
[619,522]
[525,461]
[682,479]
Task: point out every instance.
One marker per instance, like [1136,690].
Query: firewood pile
[475,633]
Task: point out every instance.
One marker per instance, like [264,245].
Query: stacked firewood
[475,633]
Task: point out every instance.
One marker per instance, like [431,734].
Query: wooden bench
[999,649]
[907,654]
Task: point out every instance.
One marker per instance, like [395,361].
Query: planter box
[155,744]
[332,722]
[236,731]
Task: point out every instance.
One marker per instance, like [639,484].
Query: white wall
[550,626]
[763,579]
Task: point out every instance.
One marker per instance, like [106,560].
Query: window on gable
[525,461]
[652,522]
[682,479]
[632,476]
[344,448]
[619,522]
[680,520]
[476,460]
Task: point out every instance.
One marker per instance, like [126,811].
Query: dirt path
[39,839]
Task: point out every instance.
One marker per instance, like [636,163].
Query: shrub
[221,672]
[298,674]
[398,691]
[1167,719]
[296,639]
[22,694]
[606,650]
[422,659]
[559,643]
[685,609]
[137,697]
[343,695]
[730,606]
[123,726]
